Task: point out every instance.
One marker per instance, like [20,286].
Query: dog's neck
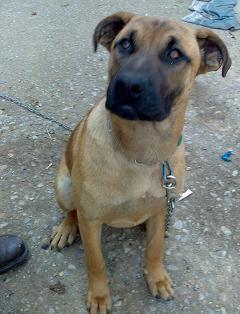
[147,142]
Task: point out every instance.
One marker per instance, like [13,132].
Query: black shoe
[13,252]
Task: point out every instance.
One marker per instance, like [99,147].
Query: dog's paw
[99,303]
[65,234]
[159,283]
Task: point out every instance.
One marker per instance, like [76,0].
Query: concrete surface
[46,59]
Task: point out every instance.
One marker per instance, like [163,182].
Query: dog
[111,171]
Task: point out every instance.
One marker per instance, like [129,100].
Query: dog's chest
[142,184]
[125,198]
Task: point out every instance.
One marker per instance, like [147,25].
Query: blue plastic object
[227,156]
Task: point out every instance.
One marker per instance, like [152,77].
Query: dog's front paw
[66,232]
[159,282]
[99,302]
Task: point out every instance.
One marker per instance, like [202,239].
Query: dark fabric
[213,13]
[11,248]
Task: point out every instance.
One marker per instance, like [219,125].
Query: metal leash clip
[169,180]
[169,183]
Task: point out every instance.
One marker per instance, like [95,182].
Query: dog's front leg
[156,276]
[98,298]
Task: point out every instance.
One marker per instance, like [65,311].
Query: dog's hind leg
[66,232]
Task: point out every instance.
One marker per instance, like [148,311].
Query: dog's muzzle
[136,95]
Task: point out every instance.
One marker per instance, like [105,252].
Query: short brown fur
[99,181]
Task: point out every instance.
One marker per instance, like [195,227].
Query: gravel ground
[46,60]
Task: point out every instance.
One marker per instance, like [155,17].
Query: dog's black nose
[129,86]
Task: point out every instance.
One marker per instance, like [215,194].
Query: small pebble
[127,250]
[3,167]
[58,287]
[178,225]
[71,267]
[45,244]
[226,231]
[223,311]
[172,267]
[118,303]
[235,173]
[221,253]
[3,224]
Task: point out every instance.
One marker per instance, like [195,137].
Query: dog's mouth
[132,112]
[125,111]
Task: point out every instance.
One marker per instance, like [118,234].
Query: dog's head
[153,63]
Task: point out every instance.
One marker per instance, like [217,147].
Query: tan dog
[111,172]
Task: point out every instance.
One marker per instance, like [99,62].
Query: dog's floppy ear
[214,53]
[108,28]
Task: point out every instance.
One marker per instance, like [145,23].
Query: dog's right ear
[108,28]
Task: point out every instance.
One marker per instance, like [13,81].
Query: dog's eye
[126,44]
[174,55]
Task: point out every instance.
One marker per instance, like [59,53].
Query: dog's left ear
[108,28]
[214,53]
